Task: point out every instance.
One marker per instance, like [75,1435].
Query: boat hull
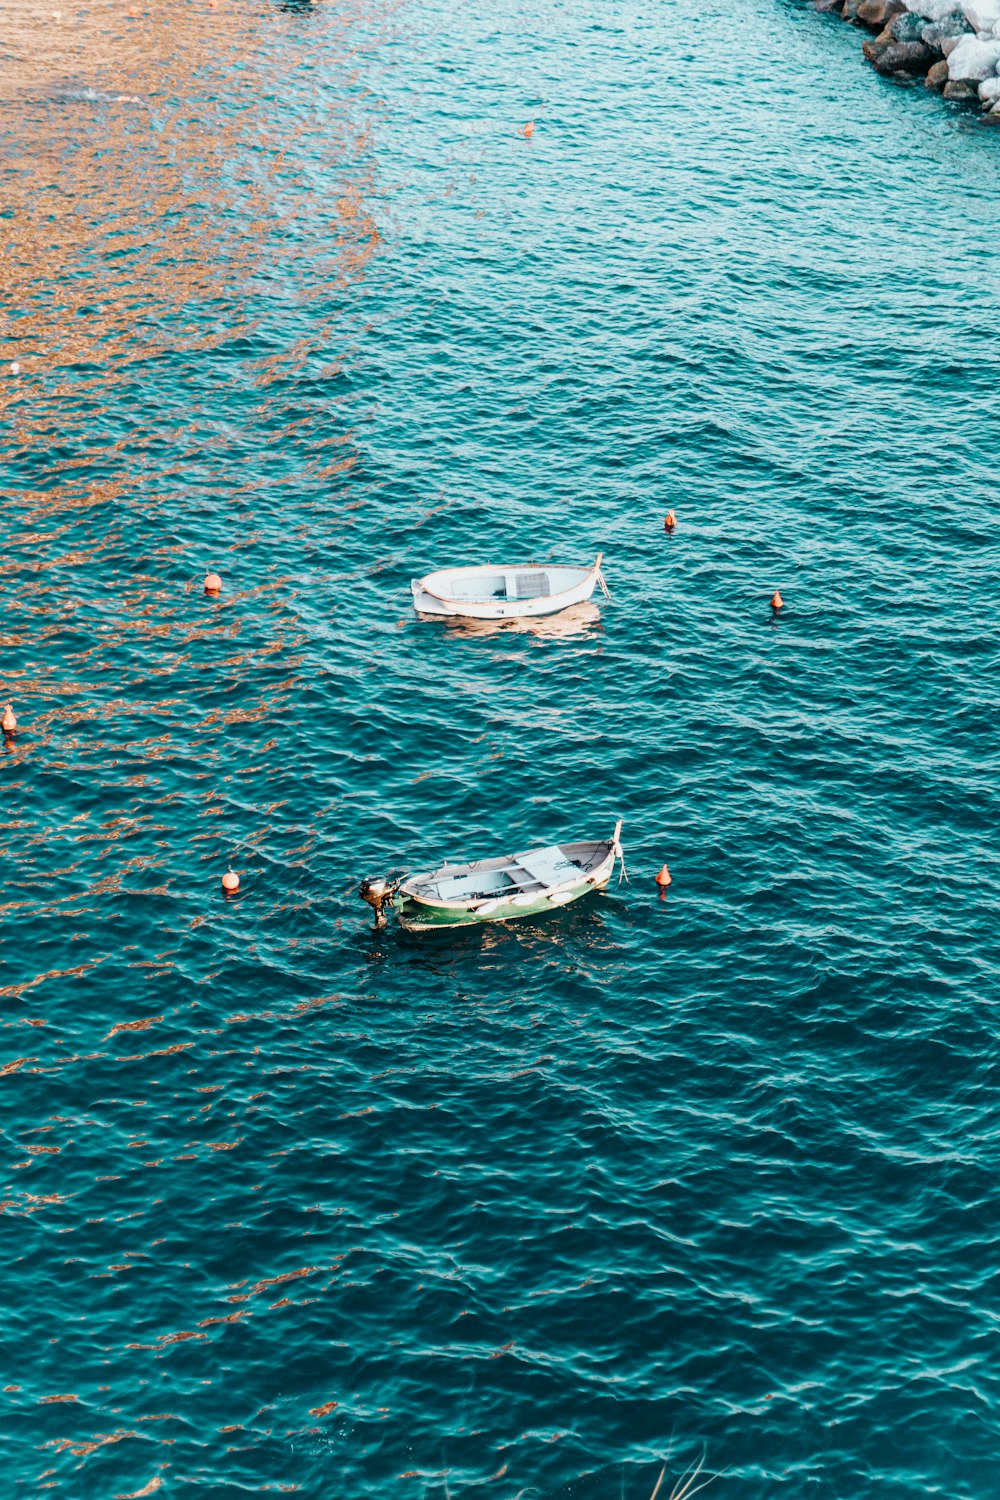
[420,916]
[428,601]
[509,609]
[424,916]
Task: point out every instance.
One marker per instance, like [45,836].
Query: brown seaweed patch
[134,1025]
[159,1052]
[302,1006]
[39,1200]
[164,1339]
[82,1450]
[286,1276]
[14,990]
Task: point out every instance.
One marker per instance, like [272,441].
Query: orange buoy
[528,130]
[230,882]
[213,583]
[669,521]
[776,601]
[664,878]
[8,723]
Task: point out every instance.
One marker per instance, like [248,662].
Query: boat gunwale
[582,877]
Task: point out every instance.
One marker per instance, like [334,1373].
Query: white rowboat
[505,593]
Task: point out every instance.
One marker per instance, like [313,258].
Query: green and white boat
[528,884]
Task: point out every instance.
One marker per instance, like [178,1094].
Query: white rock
[982,15]
[973,58]
[934,10]
[989,90]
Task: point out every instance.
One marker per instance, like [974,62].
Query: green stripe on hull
[419,916]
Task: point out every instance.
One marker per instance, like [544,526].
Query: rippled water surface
[291,1207]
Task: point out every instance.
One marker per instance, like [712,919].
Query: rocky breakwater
[953,47]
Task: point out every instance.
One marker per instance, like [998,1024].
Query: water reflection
[560,932]
[183,212]
[575,623]
[167,161]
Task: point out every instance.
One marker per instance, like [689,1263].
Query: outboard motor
[378,894]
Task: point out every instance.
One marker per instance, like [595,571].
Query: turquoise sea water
[290,1207]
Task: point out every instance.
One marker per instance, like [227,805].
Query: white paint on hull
[518,592]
